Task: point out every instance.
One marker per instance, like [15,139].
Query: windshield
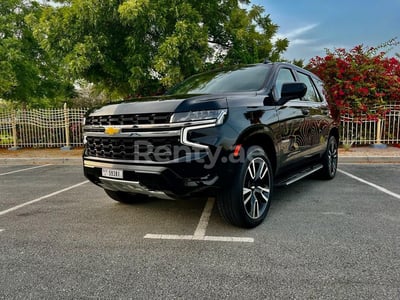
[240,79]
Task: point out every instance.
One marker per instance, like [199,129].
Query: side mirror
[292,90]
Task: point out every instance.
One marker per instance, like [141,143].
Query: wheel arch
[335,132]
[260,137]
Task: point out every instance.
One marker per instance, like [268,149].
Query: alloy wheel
[332,157]
[256,188]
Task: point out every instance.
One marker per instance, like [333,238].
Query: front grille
[158,149]
[129,119]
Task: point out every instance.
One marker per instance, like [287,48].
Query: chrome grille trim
[100,128]
[137,134]
[129,119]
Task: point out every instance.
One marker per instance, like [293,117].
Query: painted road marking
[21,170]
[42,198]
[378,187]
[200,232]
[199,238]
[204,219]
[333,213]
[1,230]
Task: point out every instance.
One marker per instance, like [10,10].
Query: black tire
[124,197]
[246,200]
[329,160]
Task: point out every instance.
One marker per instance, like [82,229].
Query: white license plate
[113,173]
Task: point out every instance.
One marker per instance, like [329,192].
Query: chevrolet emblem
[111,130]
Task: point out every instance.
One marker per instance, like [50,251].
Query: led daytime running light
[199,115]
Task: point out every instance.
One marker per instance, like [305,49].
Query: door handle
[305,111]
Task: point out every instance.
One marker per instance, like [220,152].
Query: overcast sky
[313,25]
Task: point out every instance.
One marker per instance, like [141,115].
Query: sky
[313,25]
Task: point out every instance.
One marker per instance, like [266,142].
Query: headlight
[200,115]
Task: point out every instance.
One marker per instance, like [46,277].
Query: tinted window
[311,94]
[284,76]
[244,79]
[321,89]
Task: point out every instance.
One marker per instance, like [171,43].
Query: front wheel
[246,201]
[124,197]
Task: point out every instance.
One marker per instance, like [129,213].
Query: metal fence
[47,128]
[44,128]
[361,130]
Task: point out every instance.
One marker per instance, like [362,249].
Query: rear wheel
[124,197]
[246,201]
[330,159]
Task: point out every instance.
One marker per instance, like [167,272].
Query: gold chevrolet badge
[111,130]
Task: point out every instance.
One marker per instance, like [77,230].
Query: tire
[329,160]
[246,200]
[127,198]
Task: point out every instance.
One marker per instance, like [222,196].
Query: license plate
[113,173]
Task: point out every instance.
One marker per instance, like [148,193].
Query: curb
[41,161]
[369,159]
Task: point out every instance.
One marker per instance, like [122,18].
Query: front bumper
[162,181]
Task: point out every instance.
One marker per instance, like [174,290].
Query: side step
[299,175]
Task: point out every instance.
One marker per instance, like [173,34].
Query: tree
[140,47]
[27,73]
[248,37]
[359,81]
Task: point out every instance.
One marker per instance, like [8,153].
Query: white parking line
[21,170]
[333,213]
[200,232]
[1,230]
[199,238]
[41,198]
[205,218]
[378,187]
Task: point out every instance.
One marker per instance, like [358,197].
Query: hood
[163,104]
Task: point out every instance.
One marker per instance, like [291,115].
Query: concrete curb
[369,159]
[78,160]
[41,161]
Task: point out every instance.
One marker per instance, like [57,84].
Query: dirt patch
[40,152]
[393,151]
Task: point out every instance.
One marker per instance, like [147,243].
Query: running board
[300,175]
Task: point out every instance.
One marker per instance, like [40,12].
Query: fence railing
[47,128]
[363,131]
[44,128]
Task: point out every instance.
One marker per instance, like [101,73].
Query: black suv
[234,133]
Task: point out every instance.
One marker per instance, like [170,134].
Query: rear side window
[312,94]
[321,89]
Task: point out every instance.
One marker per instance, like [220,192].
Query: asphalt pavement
[61,237]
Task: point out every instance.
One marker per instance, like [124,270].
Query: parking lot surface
[62,237]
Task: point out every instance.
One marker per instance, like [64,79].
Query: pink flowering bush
[359,81]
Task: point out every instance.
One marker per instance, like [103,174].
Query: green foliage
[140,47]
[298,62]
[125,48]
[5,138]
[248,37]
[27,73]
